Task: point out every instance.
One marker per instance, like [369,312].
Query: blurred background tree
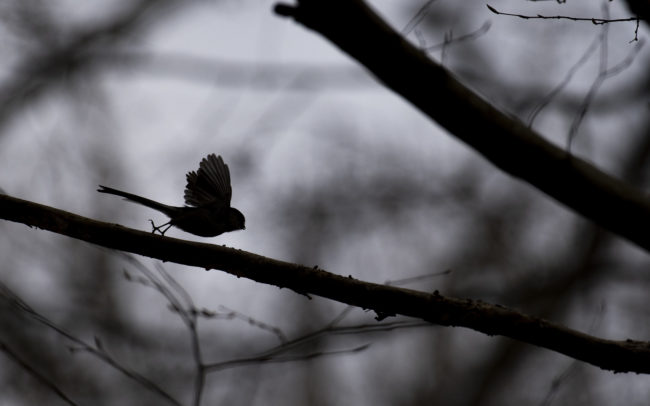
[330,169]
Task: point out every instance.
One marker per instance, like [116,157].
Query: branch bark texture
[618,356]
[505,141]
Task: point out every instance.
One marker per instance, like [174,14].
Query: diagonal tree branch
[505,141]
[618,356]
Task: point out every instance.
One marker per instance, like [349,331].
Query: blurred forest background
[330,169]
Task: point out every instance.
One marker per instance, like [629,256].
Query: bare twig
[598,82]
[189,312]
[604,73]
[287,358]
[571,368]
[273,354]
[482,30]
[229,313]
[33,372]
[596,21]
[96,350]
[181,303]
[417,18]
[546,100]
[593,20]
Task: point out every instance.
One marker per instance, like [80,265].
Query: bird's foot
[159,228]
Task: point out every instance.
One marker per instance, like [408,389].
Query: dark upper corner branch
[620,356]
[509,144]
[640,8]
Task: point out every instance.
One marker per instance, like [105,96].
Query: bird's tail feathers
[168,210]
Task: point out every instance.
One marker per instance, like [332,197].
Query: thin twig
[573,365]
[230,313]
[288,358]
[546,100]
[604,73]
[417,18]
[181,301]
[597,21]
[97,350]
[32,371]
[466,37]
[271,354]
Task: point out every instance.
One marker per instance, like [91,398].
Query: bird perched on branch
[207,210]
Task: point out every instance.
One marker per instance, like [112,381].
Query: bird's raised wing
[210,184]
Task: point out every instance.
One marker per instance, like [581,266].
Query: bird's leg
[169,225]
[158,228]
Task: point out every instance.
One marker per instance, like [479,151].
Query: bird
[207,211]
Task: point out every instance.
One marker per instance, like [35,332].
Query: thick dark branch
[619,356]
[641,8]
[502,139]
